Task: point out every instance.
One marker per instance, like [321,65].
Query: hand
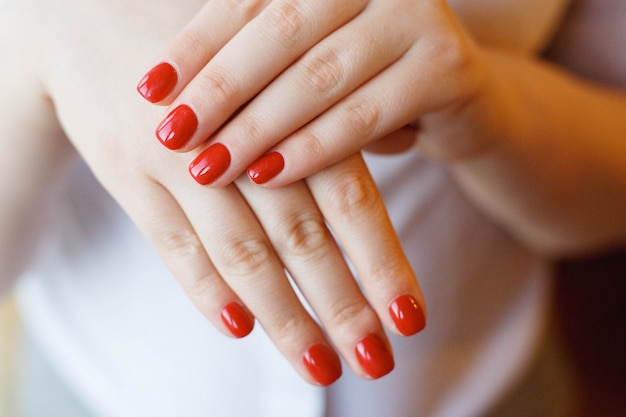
[283,89]
[228,247]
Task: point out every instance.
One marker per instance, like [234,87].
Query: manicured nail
[266,167]
[374,357]
[158,82]
[323,364]
[407,315]
[237,319]
[178,127]
[210,164]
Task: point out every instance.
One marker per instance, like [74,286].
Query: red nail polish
[407,315]
[177,127]
[210,164]
[266,167]
[374,357]
[323,364]
[158,82]
[237,319]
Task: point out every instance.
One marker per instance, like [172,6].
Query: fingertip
[374,356]
[408,315]
[210,164]
[266,168]
[177,128]
[237,319]
[158,82]
[323,364]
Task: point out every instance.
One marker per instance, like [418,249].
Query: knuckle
[286,21]
[362,115]
[182,244]
[245,256]
[245,8]
[250,126]
[287,332]
[311,147]
[218,85]
[322,72]
[201,290]
[345,315]
[354,195]
[386,267]
[307,235]
[193,42]
[450,53]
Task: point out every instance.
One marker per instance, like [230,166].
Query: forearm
[31,175]
[554,168]
[34,152]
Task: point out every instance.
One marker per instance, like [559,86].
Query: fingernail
[210,164]
[266,167]
[158,82]
[407,315]
[374,357]
[237,319]
[177,127]
[323,364]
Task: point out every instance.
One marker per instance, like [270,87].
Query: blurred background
[590,312]
[9,346]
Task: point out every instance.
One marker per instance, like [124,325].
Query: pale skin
[366,77]
[60,89]
[137,171]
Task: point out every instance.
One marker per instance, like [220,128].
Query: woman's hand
[228,247]
[285,88]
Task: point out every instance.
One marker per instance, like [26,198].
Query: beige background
[8,357]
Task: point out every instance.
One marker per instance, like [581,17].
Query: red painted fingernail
[237,319]
[177,127]
[266,167]
[210,164]
[158,82]
[323,364]
[374,357]
[407,315]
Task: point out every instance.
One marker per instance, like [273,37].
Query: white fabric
[124,336]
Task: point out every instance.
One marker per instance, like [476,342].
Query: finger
[352,205]
[325,74]
[213,26]
[434,74]
[310,253]
[263,48]
[398,141]
[177,243]
[244,256]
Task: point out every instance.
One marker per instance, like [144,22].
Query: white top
[125,337]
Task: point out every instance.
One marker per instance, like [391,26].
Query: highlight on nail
[266,167]
[323,364]
[178,127]
[210,164]
[238,321]
[374,356]
[407,315]
[158,83]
